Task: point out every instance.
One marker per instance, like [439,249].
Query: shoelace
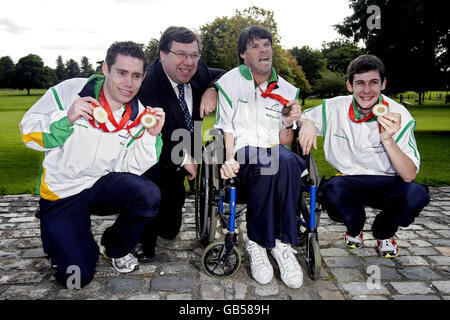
[287,249]
[288,253]
[387,244]
[256,252]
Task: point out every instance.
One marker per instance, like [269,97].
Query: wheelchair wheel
[216,265]
[313,258]
[205,215]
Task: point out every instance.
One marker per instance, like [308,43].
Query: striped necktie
[184,107]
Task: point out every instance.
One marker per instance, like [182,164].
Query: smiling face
[258,57]
[122,80]
[366,89]
[179,68]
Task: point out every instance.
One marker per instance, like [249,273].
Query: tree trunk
[28,90]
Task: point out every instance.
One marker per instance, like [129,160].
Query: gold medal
[380,110]
[100,115]
[148,120]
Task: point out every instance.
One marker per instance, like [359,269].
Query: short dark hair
[126,48]
[178,34]
[250,33]
[365,63]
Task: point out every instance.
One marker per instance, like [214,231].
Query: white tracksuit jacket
[77,155]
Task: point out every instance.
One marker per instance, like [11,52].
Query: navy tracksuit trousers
[66,225]
[167,223]
[271,181]
[344,198]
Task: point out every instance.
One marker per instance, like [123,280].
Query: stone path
[421,271]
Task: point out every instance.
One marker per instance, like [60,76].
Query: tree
[311,61]
[50,78]
[330,83]
[29,73]
[98,69]
[72,69]
[289,69]
[339,54]
[151,50]
[86,68]
[412,42]
[6,72]
[60,70]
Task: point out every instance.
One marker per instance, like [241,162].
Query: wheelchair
[218,202]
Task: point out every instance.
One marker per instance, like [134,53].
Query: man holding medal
[96,149]
[250,112]
[369,139]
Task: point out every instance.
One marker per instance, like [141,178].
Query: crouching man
[96,149]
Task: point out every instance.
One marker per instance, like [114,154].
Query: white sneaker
[290,270]
[260,266]
[125,264]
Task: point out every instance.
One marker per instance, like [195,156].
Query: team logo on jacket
[273,111]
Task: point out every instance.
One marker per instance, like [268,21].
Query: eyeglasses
[194,56]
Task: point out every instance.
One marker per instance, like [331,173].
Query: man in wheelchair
[250,112]
[369,139]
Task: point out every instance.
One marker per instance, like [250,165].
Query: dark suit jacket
[157,91]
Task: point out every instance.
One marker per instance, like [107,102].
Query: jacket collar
[247,74]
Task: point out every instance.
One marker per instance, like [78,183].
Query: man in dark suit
[180,83]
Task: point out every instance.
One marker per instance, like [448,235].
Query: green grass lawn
[19,166]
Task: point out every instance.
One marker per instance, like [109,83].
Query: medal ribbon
[268,93]
[136,122]
[369,117]
[126,117]
[105,105]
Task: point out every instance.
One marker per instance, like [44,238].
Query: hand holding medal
[153,119]
[99,113]
[81,108]
[148,119]
[389,125]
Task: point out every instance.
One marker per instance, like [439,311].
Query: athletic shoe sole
[388,255]
[353,245]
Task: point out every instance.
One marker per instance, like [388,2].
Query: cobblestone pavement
[421,271]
